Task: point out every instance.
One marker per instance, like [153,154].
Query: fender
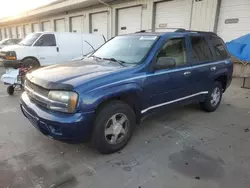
[91,101]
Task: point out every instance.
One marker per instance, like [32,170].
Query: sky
[15,7]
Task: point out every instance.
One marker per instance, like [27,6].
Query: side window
[175,49]
[219,48]
[46,40]
[200,50]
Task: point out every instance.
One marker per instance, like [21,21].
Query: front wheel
[113,127]
[213,98]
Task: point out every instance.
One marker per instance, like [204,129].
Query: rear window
[200,50]
[218,47]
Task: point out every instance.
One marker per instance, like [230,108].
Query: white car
[8,41]
[49,48]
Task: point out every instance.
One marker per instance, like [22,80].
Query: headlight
[63,101]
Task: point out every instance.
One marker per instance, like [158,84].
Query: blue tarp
[240,48]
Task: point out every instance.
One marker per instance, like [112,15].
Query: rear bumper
[56,125]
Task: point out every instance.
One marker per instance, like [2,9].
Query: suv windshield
[128,49]
[30,39]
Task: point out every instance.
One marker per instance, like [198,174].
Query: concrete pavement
[185,147]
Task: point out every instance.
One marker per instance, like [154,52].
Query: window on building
[175,48]
[200,50]
[46,40]
[219,48]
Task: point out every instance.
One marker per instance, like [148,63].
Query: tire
[210,104]
[104,132]
[10,90]
[31,64]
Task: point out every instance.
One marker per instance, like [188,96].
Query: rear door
[201,59]
[48,52]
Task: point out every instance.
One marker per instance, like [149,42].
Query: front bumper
[10,63]
[54,124]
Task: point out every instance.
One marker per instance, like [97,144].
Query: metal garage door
[35,27]
[13,32]
[27,29]
[60,25]
[129,20]
[76,24]
[19,32]
[234,19]
[7,32]
[2,34]
[46,26]
[175,14]
[99,23]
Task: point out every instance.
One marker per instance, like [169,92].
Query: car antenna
[90,45]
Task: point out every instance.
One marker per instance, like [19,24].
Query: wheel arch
[31,57]
[223,79]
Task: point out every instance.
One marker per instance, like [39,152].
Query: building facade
[228,18]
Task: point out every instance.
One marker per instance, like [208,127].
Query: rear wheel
[213,98]
[10,90]
[113,127]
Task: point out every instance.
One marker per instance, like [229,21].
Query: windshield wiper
[96,57]
[115,60]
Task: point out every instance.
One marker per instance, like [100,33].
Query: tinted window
[200,50]
[218,47]
[46,40]
[175,48]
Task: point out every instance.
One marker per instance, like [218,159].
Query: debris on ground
[186,163]
[197,178]
[247,130]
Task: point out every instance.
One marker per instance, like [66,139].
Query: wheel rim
[116,128]
[216,94]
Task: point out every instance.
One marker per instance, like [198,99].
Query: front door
[48,51]
[170,85]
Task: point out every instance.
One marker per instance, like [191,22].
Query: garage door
[99,24]
[234,19]
[35,27]
[60,25]
[173,14]
[76,24]
[2,34]
[46,26]
[13,32]
[7,32]
[129,20]
[27,29]
[19,32]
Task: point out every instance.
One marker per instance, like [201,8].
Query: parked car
[130,76]
[48,48]
[8,41]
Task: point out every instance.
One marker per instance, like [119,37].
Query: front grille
[35,92]
[37,89]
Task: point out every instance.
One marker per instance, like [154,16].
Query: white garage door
[2,34]
[13,32]
[7,31]
[60,25]
[19,32]
[27,29]
[35,27]
[76,24]
[99,24]
[129,20]
[46,26]
[234,19]
[173,14]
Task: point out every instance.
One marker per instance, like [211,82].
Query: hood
[69,75]
[12,48]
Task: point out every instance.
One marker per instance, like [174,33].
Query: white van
[49,48]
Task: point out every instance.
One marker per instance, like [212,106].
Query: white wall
[203,15]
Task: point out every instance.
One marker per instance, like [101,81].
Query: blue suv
[106,94]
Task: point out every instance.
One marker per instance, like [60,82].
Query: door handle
[213,68]
[57,49]
[187,73]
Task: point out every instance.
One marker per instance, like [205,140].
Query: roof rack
[180,30]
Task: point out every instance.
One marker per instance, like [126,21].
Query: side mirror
[165,63]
